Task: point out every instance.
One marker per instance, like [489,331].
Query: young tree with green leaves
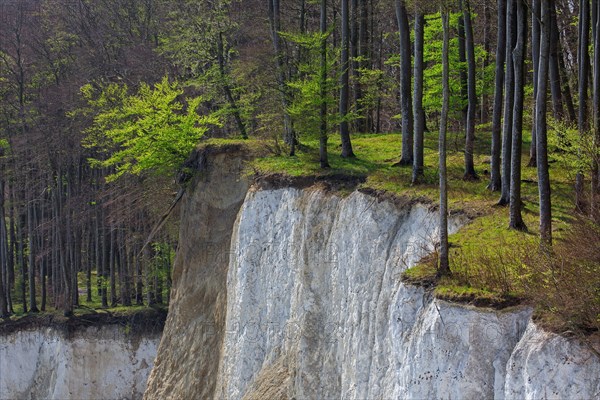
[153,130]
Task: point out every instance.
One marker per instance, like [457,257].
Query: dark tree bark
[554,71]
[518,59]
[418,167]
[31,249]
[345,83]
[540,116]
[444,263]
[495,176]
[509,89]
[470,173]
[595,178]
[323,95]
[535,56]
[405,83]
[583,63]
[3,251]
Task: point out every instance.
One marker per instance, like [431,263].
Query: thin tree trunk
[323,84]
[3,253]
[470,173]
[540,113]
[405,83]
[595,178]
[227,89]
[32,251]
[535,56]
[289,136]
[509,89]
[495,176]
[518,59]
[554,73]
[345,83]
[419,115]
[583,63]
[444,263]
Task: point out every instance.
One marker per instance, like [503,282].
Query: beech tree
[419,115]
[444,263]
[541,125]
[323,159]
[518,60]
[509,93]
[405,84]
[344,82]
[470,173]
[495,176]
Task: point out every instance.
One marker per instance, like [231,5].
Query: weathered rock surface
[296,293]
[93,363]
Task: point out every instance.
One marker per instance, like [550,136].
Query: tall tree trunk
[470,173]
[31,250]
[509,89]
[554,72]
[227,89]
[518,59]
[354,53]
[363,53]
[405,83]
[419,115]
[3,253]
[323,85]
[345,82]
[22,263]
[583,63]
[444,263]
[289,136]
[540,117]
[535,56]
[595,179]
[495,176]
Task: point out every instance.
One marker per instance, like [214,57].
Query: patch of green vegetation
[487,259]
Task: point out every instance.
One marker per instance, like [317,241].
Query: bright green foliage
[576,152]
[151,130]
[432,91]
[306,89]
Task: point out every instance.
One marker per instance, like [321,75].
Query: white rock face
[316,309]
[97,363]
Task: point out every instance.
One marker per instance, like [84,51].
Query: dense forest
[103,101]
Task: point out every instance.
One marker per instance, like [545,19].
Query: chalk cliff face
[283,292]
[95,363]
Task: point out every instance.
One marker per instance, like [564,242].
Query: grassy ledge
[492,266]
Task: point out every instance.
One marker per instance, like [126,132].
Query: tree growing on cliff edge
[150,131]
[444,263]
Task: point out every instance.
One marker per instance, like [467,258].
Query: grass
[485,255]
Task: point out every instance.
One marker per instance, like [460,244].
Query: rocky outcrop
[294,292]
[189,354]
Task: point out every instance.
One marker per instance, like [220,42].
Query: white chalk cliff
[94,363]
[284,292]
